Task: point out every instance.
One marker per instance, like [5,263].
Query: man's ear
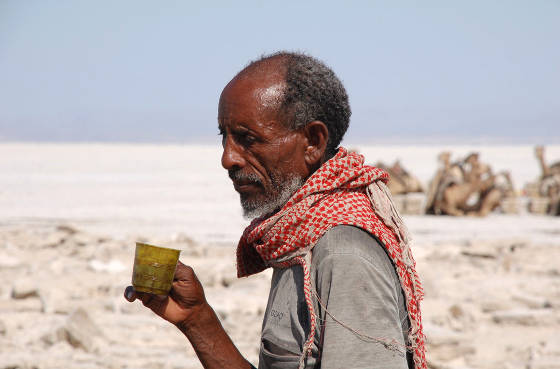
[317,136]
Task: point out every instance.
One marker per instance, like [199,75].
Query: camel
[547,170]
[492,191]
[464,188]
[400,180]
[434,187]
[549,182]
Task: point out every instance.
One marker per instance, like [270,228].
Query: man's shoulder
[349,240]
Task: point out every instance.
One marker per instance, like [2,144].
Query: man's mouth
[244,182]
[244,186]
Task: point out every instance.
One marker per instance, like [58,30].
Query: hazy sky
[153,70]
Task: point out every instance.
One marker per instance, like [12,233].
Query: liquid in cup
[154,268]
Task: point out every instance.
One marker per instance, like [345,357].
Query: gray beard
[273,202]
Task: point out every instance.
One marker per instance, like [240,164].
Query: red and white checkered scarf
[343,191]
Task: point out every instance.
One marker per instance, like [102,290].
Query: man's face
[264,159]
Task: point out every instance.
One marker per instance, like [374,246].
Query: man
[344,293]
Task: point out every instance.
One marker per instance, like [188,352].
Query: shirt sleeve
[363,294]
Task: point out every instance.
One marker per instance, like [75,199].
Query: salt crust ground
[492,284]
[489,304]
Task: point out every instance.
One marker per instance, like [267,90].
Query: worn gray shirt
[358,285]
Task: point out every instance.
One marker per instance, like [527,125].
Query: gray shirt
[357,283]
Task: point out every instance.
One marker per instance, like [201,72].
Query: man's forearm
[210,341]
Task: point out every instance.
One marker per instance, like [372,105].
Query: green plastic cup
[154,268]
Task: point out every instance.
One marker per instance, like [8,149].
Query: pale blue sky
[153,70]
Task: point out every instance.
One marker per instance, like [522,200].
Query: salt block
[54,239]
[534,302]
[83,239]
[66,229]
[112,266]
[538,205]
[80,331]
[55,301]
[24,288]
[528,317]
[440,336]
[7,261]
[547,362]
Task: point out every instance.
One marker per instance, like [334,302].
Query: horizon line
[387,140]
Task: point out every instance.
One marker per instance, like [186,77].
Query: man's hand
[186,307]
[185,298]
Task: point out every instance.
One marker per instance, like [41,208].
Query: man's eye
[245,139]
[250,138]
[223,136]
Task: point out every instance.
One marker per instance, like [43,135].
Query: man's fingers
[147,299]
[130,294]
[183,272]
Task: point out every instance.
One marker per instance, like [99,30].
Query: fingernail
[129,294]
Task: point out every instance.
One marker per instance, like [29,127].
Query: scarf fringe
[384,207]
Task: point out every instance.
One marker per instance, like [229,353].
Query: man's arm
[186,307]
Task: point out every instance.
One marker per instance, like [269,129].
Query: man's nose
[232,156]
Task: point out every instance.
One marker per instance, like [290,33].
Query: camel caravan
[469,187]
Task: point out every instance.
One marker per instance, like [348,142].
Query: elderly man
[344,291]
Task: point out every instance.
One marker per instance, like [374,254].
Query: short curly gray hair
[313,92]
